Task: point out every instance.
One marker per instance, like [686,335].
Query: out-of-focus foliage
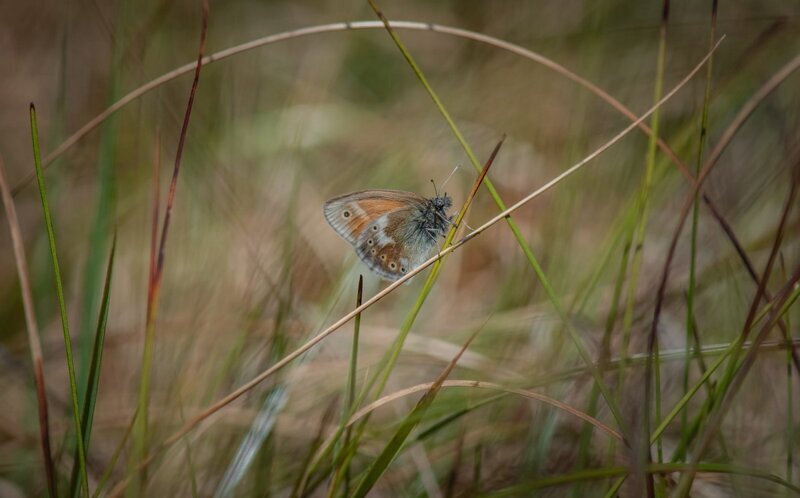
[252,269]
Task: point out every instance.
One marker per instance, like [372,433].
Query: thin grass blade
[62,305]
[391,450]
[93,379]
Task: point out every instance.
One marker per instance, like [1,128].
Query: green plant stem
[636,263]
[93,379]
[551,295]
[51,239]
[343,471]
[683,402]
[690,320]
[659,468]
[728,388]
[114,457]
[389,359]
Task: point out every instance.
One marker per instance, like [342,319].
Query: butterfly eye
[369,241]
[374,228]
[392,266]
[383,257]
[346,214]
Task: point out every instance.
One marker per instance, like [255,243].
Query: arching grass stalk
[555,302]
[408,25]
[416,26]
[226,400]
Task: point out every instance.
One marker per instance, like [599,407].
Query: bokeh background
[252,269]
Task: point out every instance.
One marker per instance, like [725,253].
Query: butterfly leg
[449,221]
[432,234]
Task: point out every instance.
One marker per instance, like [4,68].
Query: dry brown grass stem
[232,396]
[345,26]
[747,109]
[419,26]
[744,113]
[484,385]
[32,327]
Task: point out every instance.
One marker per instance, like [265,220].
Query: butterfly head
[442,203]
[433,218]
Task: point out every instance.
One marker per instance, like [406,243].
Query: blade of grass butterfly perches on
[381,376]
[543,280]
[33,330]
[405,25]
[62,305]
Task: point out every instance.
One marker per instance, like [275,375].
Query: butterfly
[392,231]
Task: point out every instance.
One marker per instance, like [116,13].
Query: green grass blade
[389,359]
[413,419]
[551,295]
[684,401]
[93,379]
[658,468]
[98,238]
[101,483]
[643,452]
[51,239]
[690,320]
[343,471]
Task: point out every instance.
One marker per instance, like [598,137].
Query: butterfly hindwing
[350,214]
[390,247]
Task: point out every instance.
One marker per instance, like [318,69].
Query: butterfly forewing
[350,214]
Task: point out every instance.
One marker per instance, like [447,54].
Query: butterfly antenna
[435,191]
[450,175]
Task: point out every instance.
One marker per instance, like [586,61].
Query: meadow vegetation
[614,312]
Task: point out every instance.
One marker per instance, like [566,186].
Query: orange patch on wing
[373,209]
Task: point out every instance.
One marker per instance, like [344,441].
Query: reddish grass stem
[157,268]
[32,327]
[238,392]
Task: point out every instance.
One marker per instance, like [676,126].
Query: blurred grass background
[252,269]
